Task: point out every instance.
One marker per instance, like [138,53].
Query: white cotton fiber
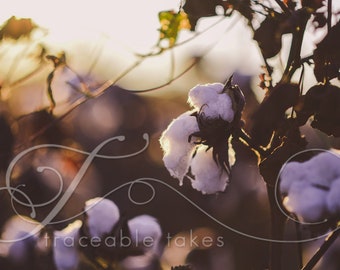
[313,187]
[211,101]
[65,247]
[209,178]
[307,202]
[174,142]
[290,173]
[102,215]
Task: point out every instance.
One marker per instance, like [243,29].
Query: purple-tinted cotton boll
[146,234]
[307,202]
[19,239]
[291,173]
[65,247]
[102,215]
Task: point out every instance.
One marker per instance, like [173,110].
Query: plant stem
[294,58]
[278,221]
[329,15]
[322,250]
[329,26]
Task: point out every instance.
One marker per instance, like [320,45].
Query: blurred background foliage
[83,88]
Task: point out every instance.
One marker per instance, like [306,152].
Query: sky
[115,30]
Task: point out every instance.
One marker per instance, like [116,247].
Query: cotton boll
[333,198]
[204,94]
[65,244]
[145,233]
[213,103]
[18,230]
[174,142]
[102,215]
[324,168]
[145,227]
[291,172]
[307,202]
[223,108]
[209,178]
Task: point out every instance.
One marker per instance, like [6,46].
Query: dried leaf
[271,112]
[197,9]
[319,20]
[242,6]
[322,102]
[327,56]
[16,28]
[271,166]
[313,4]
[171,23]
[268,35]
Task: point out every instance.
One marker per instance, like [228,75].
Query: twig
[329,26]
[162,50]
[322,250]
[294,58]
[329,15]
[98,92]
[299,244]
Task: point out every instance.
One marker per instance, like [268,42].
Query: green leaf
[171,23]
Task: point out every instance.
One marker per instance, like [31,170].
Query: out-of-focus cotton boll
[145,233]
[19,239]
[102,215]
[65,244]
[291,173]
[324,167]
[143,228]
[307,202]
[209,178]
[211,101]
[313,187]
[177,149]
[333,198]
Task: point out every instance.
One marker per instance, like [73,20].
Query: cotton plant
[144,229]
[98,240]
[311,189]
[197,144]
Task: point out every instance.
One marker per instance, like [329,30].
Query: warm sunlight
[136,27]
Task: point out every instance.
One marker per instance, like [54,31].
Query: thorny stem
[322,250]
